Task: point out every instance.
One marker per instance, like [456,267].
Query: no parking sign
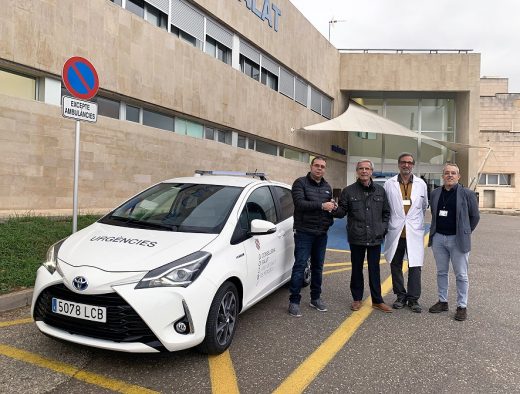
[80,78]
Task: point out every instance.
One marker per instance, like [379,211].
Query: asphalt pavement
[402,352]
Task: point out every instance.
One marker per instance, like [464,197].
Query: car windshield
[184,207]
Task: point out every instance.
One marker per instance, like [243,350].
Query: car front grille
[123,323]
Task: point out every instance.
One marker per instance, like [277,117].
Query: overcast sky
[491,28]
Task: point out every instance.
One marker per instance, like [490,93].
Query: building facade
[209,84]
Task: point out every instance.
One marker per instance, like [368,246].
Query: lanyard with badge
[406,200]
[443,211]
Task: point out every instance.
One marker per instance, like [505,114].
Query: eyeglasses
[319,166]
[410,163]
[364,169]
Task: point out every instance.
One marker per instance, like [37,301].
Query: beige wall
[500,130]
[117,158]
[490,86]
[169,73]
[420,72]
[136,60]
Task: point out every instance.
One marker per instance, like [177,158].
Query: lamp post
[332,21]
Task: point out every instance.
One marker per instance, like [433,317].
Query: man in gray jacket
[455,215]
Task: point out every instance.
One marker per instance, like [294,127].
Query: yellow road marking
[338,250]
[15,322]
[222,373]
[302,376]
[69,370]
[336,271]
[337,264]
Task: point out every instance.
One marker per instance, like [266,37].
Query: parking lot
[336,351]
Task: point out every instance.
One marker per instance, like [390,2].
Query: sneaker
[439,307]
[294,310]
[399,303]
[319,305]
[414,306]
[461,314]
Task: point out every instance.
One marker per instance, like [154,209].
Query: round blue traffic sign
[80,78]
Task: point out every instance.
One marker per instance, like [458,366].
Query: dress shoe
[356,305]
[461,314]
[382,307]
[439,307]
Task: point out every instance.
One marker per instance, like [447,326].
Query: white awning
[359,119]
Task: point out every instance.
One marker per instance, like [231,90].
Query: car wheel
[307,274]
[222,320]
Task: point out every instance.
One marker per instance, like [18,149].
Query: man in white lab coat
[408,198]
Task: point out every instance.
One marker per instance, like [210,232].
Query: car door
[284,226]
[264,266]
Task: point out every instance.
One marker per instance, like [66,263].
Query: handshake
[329,206]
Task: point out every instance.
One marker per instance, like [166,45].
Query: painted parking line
[69,370]
[302,376]
[15,322]
[222,374]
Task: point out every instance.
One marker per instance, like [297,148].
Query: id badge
[407,202]
[442,212]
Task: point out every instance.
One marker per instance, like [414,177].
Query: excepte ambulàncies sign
[79,109]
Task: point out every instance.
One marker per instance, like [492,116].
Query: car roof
[223,180]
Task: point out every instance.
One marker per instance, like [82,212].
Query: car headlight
[51,261]
[178,273]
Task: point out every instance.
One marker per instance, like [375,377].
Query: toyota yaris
[171,268]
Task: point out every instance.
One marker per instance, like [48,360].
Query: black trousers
[414,275]
[357,257]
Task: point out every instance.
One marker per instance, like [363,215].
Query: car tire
[222,320]
[307,274]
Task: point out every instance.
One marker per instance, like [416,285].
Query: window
[251,144]
[186,37]
[495,179]
[156,17]
[224,136]
[186,127]
[269,79]
[291,154]
[285,200]
[266,147]
[260,205]
[217,50]
[17,85]
[209,133]
[241,141]
[315,101]
[300,91]
[155,119]
[132,113]
[107,107]
[136,7]
[250,68]
[118,2]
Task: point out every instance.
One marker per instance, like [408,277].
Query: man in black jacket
[313,204]
[368,212]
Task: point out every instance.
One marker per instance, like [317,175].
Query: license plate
[80,311]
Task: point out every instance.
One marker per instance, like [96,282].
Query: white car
[171,268]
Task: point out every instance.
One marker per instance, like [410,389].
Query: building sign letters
[269,12]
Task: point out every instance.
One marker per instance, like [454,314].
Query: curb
[15,300]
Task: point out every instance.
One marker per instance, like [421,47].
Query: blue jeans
[307,245]
[445,249]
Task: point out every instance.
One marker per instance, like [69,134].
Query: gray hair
[450,165]
[365,161]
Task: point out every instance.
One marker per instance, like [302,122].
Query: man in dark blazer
[455,215]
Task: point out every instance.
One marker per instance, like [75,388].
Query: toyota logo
[80,283]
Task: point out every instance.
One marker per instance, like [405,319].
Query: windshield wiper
[141,224]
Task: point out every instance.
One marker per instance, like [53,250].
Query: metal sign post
[81,80]
[76,179]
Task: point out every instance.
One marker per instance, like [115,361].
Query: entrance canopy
[359,119]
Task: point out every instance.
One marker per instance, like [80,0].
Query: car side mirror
[260,227]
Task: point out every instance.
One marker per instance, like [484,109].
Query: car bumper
[156,309]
